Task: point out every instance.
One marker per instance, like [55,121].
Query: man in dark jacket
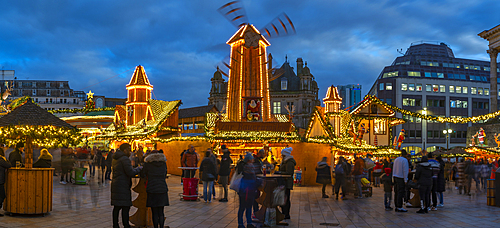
[121,196]
[224,170]
[108,162]
[287,167]
[323,175]
[423,176]
[15,156]
[4,165]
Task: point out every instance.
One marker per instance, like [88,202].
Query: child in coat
[388,183]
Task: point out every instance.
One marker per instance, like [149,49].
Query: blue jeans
[91,169]
[357,180]
[246,201]
[441,198]
[207,190]
[485,182]
[387,199]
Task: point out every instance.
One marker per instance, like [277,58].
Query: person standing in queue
[341,172]
[358,173]
[224,171]
[423,176]
[400,175]
[108,162]
[323,175]
[190,159]
[121,195]
[208,168]
[287,167]
[4,165]
[247,189]
[155,172]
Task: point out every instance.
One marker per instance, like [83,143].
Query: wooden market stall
[28,189]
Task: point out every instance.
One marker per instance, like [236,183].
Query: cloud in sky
[180,42]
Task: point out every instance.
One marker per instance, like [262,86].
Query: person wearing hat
[4,165]
[323,175]
[15,156]
[44,161]
[287,167]
[388,183]
[224,171]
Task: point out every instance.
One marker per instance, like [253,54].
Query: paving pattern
[73,207]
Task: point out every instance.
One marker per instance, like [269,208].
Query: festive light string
[43,136]
[440,119]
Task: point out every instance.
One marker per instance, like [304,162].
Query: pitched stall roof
[139,77]
[33,115]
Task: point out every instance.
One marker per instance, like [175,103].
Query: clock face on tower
[251,39]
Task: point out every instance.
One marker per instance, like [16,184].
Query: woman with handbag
[209,172]
[155,172]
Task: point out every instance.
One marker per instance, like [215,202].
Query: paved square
[73,208]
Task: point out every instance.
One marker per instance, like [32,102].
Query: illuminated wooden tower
[332,105]
[139,92]
[248,85]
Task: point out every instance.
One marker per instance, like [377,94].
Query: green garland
[82,110]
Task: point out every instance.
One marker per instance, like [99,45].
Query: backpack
[339,169]
[369,163]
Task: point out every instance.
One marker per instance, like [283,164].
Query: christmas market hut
[29,190]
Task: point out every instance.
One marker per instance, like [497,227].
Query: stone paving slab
[72,207]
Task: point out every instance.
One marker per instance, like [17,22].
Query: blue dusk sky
[95,45]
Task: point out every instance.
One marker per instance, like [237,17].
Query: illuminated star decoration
[90,95]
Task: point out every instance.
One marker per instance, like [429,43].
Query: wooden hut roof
[33,115]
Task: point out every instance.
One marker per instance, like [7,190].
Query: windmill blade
[280,26]
[224,66]
[235,13]
[276,73]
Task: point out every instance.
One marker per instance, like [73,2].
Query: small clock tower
[248,86]
[139,92]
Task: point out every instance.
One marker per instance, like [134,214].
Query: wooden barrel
[29,191]
[490,194]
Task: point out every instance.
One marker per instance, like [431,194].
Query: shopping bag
[270,219]
[235,181]
[279,198]
[365,182]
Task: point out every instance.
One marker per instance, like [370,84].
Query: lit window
[458,89]
[428,88]
[440,75]
[414,73]
[453,104]
[480,91]
[442,88]
[388,86]
[435,88]
[472,90]
[464,104]
[390,74]
[404,87]
[452,89]
[486,92]
[284,84]
[486,68]
[411,87]
[419,87]
[381,86]
[427,74]
[464,89]
[459,104]
[277,107]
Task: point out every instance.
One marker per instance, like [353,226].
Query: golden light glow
[90,95]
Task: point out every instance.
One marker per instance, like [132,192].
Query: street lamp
[424,128]
[447,132]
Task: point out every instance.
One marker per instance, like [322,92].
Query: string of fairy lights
[43,136]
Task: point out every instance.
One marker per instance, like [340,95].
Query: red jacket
[190,159]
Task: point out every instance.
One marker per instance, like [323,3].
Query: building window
[442,88]
[486,92]
[379,126]
[453,104]
[388,86]
[404,87]
[464,89]
[428,88]
[34,92]
[408,102]
[414,73]
[452,89]
[390,74]
[458,89]
[47,84]
[284,84]
[277,107]
[464,104]
[381,86]
[480,91]
[388,101]
[34,84]
[419,87]
[48,92]
[411,87]
[473,90]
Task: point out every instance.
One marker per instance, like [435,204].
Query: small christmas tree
[90,104]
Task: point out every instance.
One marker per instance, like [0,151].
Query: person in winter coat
[358,173]
[323,175]
[423,176]
[470,172]
[15,156]
[287,167]
[435,166]
[155,172]
[190,159]
[209,171]
[341,172]
[485,173]
[247,190]
[108,162]
[460,176]
[4,165]
[67,161]
[441,181]
[121,196]
[224,171]
[44,160]
[388,183]
[494,167]
[377,172]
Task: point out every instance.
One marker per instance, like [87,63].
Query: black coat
[209,169]
[44,161]
[225,165]
[288,168]
[109,160]
[155,171]
[387,182]
[441,182]
[323,174]
[15,156]
[122,180]
[4,165]
[424,174]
